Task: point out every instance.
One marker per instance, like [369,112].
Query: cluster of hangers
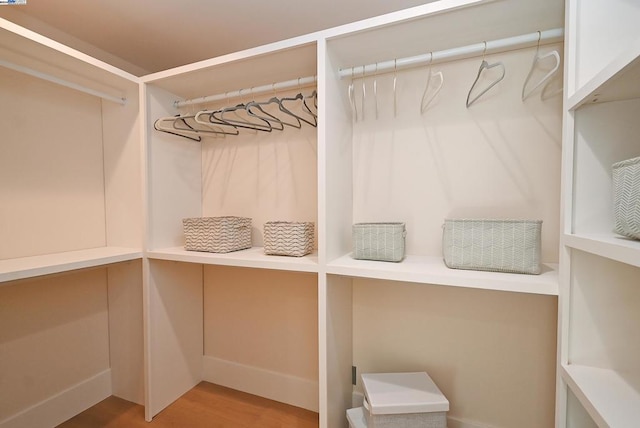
[265,116]
[435,81]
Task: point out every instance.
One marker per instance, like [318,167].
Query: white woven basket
[493,245]
[379,241]
[217,234]
[626,197]
[288,238]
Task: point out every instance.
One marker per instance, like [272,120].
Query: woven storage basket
[217,234]
[493,245]
[626,197]
[288,238]
[379,241]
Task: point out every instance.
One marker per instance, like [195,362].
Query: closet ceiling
[144,36]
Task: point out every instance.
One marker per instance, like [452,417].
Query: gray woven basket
[217,234]
[626,197]
[379,241]
[288,238]
[493,245]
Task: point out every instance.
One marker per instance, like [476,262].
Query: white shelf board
[611,246]
[610,399]
[253,258]
[618,80]
[432,270]
[29,267]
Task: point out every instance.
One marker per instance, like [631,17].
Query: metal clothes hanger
[219,116]
[202,128]
[537,59]
[427,100]
[395,70]
[186,126]
[375,88]
[364,93]
[312,111]
[352,98]
[484,66]
[313,122]
[189,134]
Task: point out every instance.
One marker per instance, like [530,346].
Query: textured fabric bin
[217,234]
[287,238]
[626,197]
[493,245]
[402,400]
[379,241]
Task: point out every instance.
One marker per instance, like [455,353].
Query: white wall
[491,353]
[54,334]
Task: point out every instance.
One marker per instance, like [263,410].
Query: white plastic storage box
[401,400]
[288,238]
[511,246]
[379,241]
[217,234]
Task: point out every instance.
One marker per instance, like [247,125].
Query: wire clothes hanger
[395,80]
[305,108]
[352,98]
[536,60]
[484,66]
[427,100]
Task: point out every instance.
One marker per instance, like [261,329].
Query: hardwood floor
[206,405]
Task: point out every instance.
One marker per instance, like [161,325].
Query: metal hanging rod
[488,47]
[300,82]
[61,82]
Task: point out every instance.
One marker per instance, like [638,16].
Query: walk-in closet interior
[454,109]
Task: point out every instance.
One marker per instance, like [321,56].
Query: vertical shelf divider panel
[175,332]
[336,205]
[599,270]
[174,291]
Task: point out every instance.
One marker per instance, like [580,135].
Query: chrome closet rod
[293,83]
[488,47]
[61,82]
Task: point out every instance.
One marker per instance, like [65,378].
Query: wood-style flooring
[206,405]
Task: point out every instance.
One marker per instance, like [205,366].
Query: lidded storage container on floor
[217,234]
[379,241]
[400,400]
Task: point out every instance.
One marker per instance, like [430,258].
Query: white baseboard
[64,405]
[453,422]
[285,388]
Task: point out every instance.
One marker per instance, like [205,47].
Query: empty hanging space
[70,158]
[71,197]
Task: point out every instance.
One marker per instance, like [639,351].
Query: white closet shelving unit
[599,376]
[403,169]
[265,176]
[251,321]
[71,196]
